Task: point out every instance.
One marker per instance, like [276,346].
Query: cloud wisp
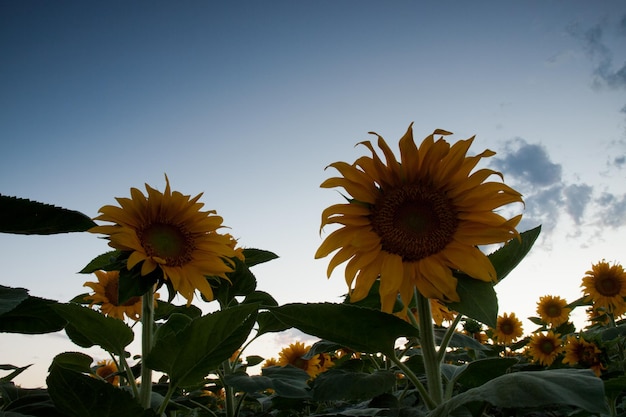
[550,199]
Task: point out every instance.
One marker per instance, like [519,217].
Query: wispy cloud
[549,199]
[593,39]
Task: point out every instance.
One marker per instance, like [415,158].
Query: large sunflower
[106,294]
[553,310]
[605,285]
[168,231]
[412,222]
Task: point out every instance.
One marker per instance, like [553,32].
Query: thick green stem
[447,337]
[147,328]
[432,363]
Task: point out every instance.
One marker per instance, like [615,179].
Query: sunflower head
[508,329]
[168,232]
[293,355]
[605,285]
[545,347]
[107,370]
[106,295]
[411,222]
[580,352]
[553,310]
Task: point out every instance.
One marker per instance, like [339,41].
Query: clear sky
[249,101]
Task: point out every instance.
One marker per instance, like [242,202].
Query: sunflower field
[418,333]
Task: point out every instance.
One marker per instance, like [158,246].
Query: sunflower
[412,222]
[545,347]
[552,310]
[168,231]
[439,312]
[508,329]
[106,294]
[293,354]
[605,285]
[578,351]
[107,370]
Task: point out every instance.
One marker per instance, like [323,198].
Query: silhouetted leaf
[33,315]
[26,217]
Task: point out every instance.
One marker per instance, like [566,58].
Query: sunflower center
[168,242]
[507,328]
[414,221]
[546,346]
[608,286]
[553,310]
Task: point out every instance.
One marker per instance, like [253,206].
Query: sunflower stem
[432,363]
[147,328]
[447,337]
[415,380]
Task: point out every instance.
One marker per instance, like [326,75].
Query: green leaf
[335,385]
[190,354]
[478,372]
[26,217]
[133,284]
[268,323]
[574,387]
[16,371]
[262,298]
[11,298]
[478,300]
[21,402]
[360,329]
[79,395]
[73,361]
[287,381]
[33,315]
[108,261]
[164,310]
[111,334]
[506,258]
[242,283]
[257,256]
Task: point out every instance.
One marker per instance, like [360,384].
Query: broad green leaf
[478,300]
[110,334]
[287,382]
[108,261]
[478,372]
[459,340]
[262,298]
[11,298]
[20,402]
[268,323]
[73,361]
[335,385]
[257,256]
[33,315]
[164,310]
[360,329]
[506,258]
[26,217]
[574,387]
[78,395]
[190,354]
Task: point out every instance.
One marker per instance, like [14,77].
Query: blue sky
[249,101]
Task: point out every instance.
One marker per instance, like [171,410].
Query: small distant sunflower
[605,285]
[106,294]
[293,354]
[439,311]
[168,231]
[545,347]
[411,222]
[552,310]
[270,362]
[508,329]
[578,351]
[107,370]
